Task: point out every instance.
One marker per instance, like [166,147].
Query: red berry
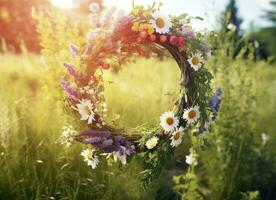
[105,65]
[123,38]
[163,38]
[181,41]
[174,40]
[141,52]
[152,37]
[140,40]
[143,35]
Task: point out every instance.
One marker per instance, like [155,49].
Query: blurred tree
[271,14]
[230,31]
[265,37]
[231,21]
[17,25]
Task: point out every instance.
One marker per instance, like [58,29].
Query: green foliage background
[234,163]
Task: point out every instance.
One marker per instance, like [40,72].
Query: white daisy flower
[168,121]
[191,115]
[85,108]
[118,156]
[196,61]
[191,160]
[161,22]
[89,157]
[152,142]
[177,137]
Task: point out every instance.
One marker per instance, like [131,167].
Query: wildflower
[189,34]
[94,7]
[191,115]
[191,159]
[168,121]
[89,157]
[72,92]
[94,19]
[177,137]
[140,27]
[74,50]
[120,156]
[265,138]
[196,61]
[152,142]
[216,101]
[87,90]
[161,22]
[232,27]
[85,108]
[93,33]
[67,135]
[186,31]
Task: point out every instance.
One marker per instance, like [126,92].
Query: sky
[250,10]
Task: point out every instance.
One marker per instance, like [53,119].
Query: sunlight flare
[64,4]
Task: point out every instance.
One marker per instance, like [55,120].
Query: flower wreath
[112,41]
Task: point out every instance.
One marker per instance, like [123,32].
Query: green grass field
[34,165]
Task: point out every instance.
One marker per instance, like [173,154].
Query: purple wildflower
[74,50]
[93,133]
[93,140]
[106,142]
[72,92]
[205,47]
[216,101]
[72,71]
[189,34]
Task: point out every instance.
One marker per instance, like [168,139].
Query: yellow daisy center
[160,23]
[177,136]
[169,121]
[191,114]
[90,156]
[86,110]
[152,143]
[195,60]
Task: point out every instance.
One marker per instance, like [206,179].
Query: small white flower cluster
[192,158]
[94,9]
[265,138]
[87,90]
[169,122]
[67,135]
